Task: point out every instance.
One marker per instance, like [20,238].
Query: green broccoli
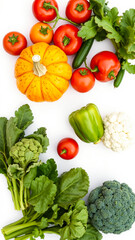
[112,207]
[26,151]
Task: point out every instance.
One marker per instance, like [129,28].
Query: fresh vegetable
[117,131]
[14,43]
[119,77]
[42,72]
[43,12]
[41,32]
[107,23]
[19,154]
[82,80]
[82,53]
[55,204]
[87,123]
[67,148]
[78,11]
[65,37]
[112,207]
[105,65]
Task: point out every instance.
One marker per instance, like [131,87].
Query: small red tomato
[43,12]
[78,11]
[82,80]
[65,37]
[106,65]
[67,148]
[14,43]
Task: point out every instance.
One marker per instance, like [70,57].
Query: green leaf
[122,53]
[43,194]
[43,223]
[3,169]
[101,35]
[13,133]
[91,234]
[15,171]
[88,30]
[128,67]
[98,7]
[29,177]
[107,24]
[3,122]
[72,186]
[74,221]
[113,15]
[24,117]
[48,169]
[41,136]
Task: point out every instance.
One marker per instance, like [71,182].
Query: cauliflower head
[26,151]
[117,131]
[111,207]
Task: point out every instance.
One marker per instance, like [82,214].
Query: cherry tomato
[41,32]
[106,66]
[78,11]
[14,43]
[65,37]
[67,148]
[42,12]
[82,80]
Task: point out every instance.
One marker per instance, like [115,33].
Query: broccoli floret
[112,207]
[26,151]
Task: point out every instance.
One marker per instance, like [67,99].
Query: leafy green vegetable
[88,30]
[128,67]
[43,193]
[3,168]
[98,7]
[15,171]
[48,169]
[72,186]
[24,117]
[29,177]
[3,122]
[91,234]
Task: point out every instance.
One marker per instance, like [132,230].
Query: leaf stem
[16,194]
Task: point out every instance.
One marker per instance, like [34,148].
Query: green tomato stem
[58,17]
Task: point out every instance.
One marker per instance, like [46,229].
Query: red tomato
[42,12]
[67,148]
[82,80]
[65,37]
[107,65]
[77,11]
[14,43]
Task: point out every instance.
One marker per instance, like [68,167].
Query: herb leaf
[98,7]
[128,67]
[88,30]
[43,193]
[72,186]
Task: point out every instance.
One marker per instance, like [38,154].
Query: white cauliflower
[117,131]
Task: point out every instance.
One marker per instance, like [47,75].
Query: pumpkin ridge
[43,54]
[25,60]
[54,83]
[41,88]
[29,85]
[55,63]
[55,86]
[59,76]
[23,73]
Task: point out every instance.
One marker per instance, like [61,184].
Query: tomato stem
[66,41]
[13,39]
[63,151]
[44,30]
[47,7]
[92,70]
[58,17]
[83,72]
[79,7]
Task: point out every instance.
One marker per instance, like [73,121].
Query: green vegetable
[107,23]
[87,123]
[82,53]
[18,153]
[112,207]
[54,207]
[91,233]
[119,78]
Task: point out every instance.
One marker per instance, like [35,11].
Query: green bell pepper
[87,123]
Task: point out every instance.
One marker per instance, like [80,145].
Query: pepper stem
[38,68]
[111,74]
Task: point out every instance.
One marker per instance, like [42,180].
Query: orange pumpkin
[42,72]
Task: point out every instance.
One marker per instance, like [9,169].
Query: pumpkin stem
[38,68]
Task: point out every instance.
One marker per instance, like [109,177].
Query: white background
[101,163]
